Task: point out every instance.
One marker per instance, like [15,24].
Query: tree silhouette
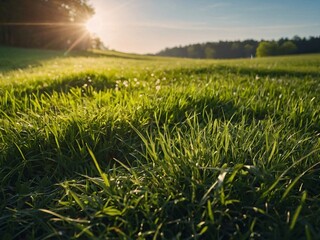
[54,24]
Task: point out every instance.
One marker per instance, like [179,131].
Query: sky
[148,26]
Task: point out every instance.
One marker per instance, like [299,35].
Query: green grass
[106,145]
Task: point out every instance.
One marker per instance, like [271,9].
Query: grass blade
[103,175]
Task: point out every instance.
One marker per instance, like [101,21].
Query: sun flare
[94,26]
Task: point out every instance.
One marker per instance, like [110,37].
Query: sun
[94,25]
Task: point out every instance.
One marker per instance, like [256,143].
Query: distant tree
[96,43]
[209,52]
[267,49]
[195,51]
[249,50]
[296,38]
[288,47]
[311,45]
[244,49]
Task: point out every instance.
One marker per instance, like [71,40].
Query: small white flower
[125,83]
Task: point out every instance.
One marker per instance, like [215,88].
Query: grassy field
[104,145]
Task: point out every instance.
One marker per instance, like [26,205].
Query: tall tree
[56,24]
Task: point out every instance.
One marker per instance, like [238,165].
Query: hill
[106,145]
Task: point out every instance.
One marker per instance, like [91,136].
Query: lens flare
[94,26]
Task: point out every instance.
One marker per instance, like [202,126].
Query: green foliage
[45,24]
[288,47]
[222,49]
[266,49]
[209,52]
[245,49]
[106,145]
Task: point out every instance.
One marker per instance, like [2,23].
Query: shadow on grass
[12,59]
[86,81]
[19,58]
[203,107]
[113,139]
[109,139]
[275,73]
[66,155]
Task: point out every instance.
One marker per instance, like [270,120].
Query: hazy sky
[148,26]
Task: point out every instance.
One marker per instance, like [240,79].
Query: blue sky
[148,26]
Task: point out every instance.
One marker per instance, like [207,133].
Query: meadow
[106,145]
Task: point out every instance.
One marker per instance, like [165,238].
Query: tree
[267,49]
[244,49]
[288,47]
[56,24]
[248,50]
[209,52]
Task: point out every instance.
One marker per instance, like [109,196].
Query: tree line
[49,24]
[245,49]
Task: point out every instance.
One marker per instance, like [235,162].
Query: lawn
[106,145]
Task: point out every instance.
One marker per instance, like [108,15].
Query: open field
[104,145]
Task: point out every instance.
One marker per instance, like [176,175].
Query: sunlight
[94,26]
[110,22]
